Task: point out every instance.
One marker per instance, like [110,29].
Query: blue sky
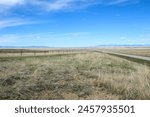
[74,23]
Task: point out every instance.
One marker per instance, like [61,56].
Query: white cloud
[14,22]
[54,5]
[59,4]
[11,2]
[118,1]
[8,7]
[75,4]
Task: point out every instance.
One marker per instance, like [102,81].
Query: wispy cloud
[14,22]
[120,2]
[8,7]
[11,2]
[55,5]
[112,2]
[59,4]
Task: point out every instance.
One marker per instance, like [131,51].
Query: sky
[74,23]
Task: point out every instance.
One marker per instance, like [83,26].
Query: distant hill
[130,45]
[109,45]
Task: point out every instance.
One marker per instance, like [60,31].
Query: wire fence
[37,52]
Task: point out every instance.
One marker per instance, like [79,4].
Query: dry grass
[134,51]
[73,76]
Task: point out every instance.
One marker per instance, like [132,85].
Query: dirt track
[127,55]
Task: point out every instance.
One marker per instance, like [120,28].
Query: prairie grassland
[73,76]
[134,51]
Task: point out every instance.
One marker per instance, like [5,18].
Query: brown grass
[133,50]
[74,76]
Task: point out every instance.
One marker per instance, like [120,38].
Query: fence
[37,52]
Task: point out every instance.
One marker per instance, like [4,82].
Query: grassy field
[141,51]
[87,75]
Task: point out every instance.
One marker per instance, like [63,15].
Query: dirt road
[131,56]
[127,55]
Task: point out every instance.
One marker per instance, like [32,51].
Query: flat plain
[75,75]
[140,51]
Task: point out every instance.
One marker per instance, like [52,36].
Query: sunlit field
[140,51]
[80,75]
